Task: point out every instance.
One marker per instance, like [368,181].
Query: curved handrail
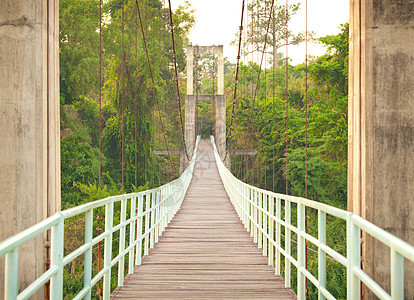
[260,212]
[161,204]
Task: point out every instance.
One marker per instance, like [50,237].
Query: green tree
[254,37]
[78,49]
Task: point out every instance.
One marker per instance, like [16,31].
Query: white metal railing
[161,204]
[261,213]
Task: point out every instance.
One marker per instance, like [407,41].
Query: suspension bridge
[207,234]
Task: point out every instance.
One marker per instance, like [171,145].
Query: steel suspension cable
[245,95]
[306,140]
[145,132]
[273,126]
[258,79]
[255,137]
[287,96]
[136,105]
[235,83]
[123,96]
[176,80]
[99,217]
[153,85]
[265,116]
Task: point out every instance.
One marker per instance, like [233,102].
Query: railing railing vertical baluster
[87,273]
[321,253]
[152,218]
[260,214]
[353,258]
[146,222]
[132,227]
[255,215]
[240,199]
[121,263]
[11,275]
[277,238]
[265,204]
[165,196]
[251,213]
[301,292]
[245,208]
[109,218]
[157,215]
[56,282]
[271,210]
[138,248]
[397,275]
[287,243]
[171,202]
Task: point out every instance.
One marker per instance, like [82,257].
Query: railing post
[56,282]
[138,248]
[287,243]
[11,274]
[301,252]
[171,202]
[397,275]
[277,238]
[251,212]
[132,235]
[121,262]
[157,215]
[239,200]
[353,258]
[146,222]
[321,253]
[152,218]
[164,196]
[255,216]
[271,210]
[265,207]
[245,207]
[260,214]
[109,218]
[87,273]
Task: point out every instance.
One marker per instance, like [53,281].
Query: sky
[217,22]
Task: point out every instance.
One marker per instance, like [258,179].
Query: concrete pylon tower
[381,129]
[190,101]
[29,126]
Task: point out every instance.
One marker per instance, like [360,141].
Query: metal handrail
[261,213]
[161,204]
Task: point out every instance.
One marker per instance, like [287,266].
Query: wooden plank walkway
[205,252]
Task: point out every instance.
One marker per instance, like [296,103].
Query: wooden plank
[205,252]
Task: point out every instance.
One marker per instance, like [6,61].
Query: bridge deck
[205,252]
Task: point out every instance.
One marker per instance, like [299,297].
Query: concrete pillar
[220,71]
[29,125]
[381,128]
[190,58]
[190,122]
[220,132]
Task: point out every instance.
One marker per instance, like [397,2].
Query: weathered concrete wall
[29,125]
[381,127]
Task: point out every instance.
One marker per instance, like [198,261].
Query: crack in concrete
[23,21]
